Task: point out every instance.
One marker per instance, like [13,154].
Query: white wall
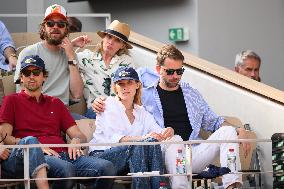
[228,26]
[218,29]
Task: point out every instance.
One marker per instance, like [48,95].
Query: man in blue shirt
[176,104]
[8,57]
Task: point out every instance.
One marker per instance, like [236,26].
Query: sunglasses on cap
[35,72]
[60,24]
[172,71]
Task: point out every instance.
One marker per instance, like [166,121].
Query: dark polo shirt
[44,119]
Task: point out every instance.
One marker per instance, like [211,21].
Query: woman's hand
[81,41]
[154,135]
[167,133]
[99,104]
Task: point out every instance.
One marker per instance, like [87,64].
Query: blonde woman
[125,120]
[97,66]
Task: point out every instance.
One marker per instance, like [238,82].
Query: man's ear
[158,69]
[237,69]
[21,78]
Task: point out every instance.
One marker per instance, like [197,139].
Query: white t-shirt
[113,124]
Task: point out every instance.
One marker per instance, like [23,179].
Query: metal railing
[27,180]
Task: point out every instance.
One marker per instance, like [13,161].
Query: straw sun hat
[119,30]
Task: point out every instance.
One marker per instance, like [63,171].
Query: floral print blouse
[96,76]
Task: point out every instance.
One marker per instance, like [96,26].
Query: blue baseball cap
[33,60]
[125,73]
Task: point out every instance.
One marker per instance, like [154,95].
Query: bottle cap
[231,149]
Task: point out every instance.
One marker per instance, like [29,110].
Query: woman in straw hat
[97,66]
[126,120]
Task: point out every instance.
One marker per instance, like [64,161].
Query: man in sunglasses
[176,104]
[57,52]
[29,117]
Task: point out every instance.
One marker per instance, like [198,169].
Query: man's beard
[54,41]
[170,84]
[30,88]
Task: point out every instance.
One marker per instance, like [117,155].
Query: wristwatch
[73,62]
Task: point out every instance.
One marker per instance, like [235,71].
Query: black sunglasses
[35,72]
[172,71]
[60,24]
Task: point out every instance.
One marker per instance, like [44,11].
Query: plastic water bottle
[180,162]
[163,185]
[188,159]
[231,160]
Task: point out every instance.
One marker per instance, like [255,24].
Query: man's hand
[12,62]
[81,41]
[243,134]
[167,133]
[99,104]
[75,152]
[154,135]
[68,47]
[4,153]
[50,152]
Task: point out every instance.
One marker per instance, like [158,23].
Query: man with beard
[29,117]
[176,104]
[248,63]
[57,52]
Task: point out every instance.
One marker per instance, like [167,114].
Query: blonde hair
[138,95]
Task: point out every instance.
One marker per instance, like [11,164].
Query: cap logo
[124,74]
[30,60]
[56,9]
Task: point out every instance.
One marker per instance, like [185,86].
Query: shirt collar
[42,97]
[154,84]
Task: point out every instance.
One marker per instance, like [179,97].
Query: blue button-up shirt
[5,41]
[199,113]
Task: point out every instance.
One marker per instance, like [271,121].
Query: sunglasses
[35,72]
[172,71]
[60,24]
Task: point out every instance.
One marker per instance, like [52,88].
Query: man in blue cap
[29,117]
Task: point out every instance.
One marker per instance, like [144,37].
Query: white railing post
[26,167]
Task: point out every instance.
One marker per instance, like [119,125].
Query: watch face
[75,62]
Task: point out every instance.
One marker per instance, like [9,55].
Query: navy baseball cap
[33,60]
[125,73]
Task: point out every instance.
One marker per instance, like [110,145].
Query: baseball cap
[125,73]
[33,60]
[55,10]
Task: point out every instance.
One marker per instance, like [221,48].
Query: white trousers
[203,155]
